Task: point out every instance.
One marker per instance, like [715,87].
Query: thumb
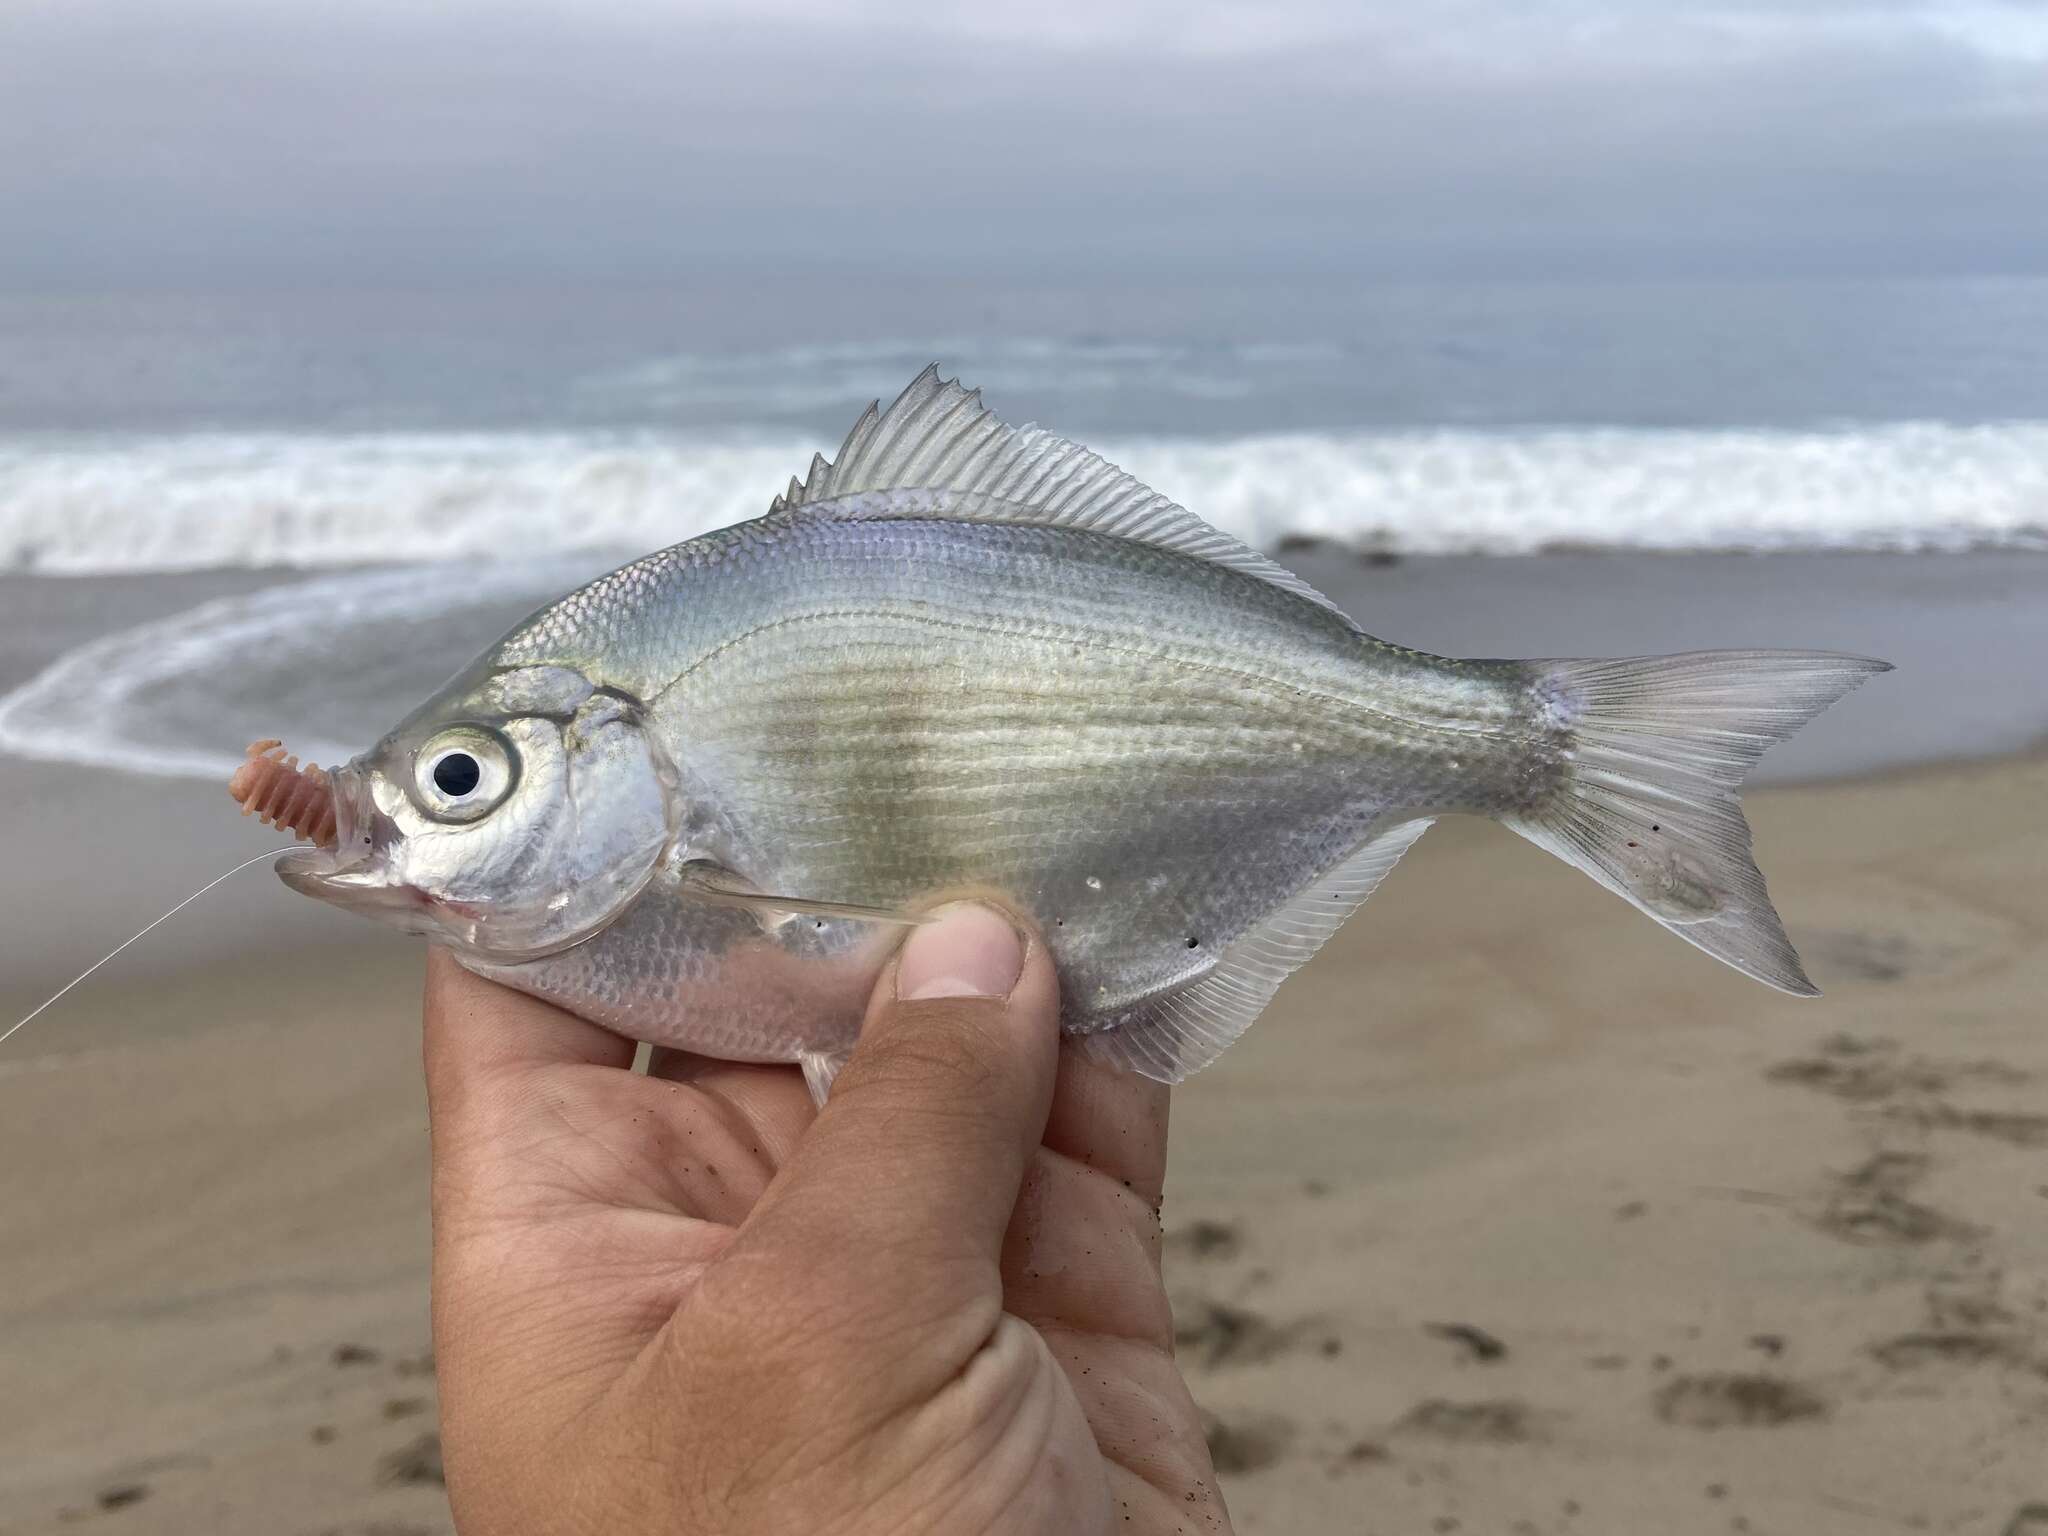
[912,1168]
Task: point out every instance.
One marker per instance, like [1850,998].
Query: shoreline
[1960,629]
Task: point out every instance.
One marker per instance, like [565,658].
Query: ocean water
[430,462]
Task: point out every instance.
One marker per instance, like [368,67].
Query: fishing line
[8,1034]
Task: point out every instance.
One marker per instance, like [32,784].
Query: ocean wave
[315,661]
[254,500]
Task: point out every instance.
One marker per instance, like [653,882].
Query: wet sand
[1515,1215]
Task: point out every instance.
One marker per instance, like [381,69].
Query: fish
[700,800]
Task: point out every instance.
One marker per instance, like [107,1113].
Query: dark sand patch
[1910,1350]
[1870,1205]
[417,1462]
[1732,1399]
[1865,1071]
[1360,1453]
[1205,1239]
[1212,1334]
[1967,1325]
[1248,1443]
[1492,1421]
[1478,1344]
[2019,1128]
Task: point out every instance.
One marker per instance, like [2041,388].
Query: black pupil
[457,774]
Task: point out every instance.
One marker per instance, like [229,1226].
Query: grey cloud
[246,143]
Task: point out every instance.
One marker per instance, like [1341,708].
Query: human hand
[685,1303]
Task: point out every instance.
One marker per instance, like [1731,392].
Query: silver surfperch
[697,800]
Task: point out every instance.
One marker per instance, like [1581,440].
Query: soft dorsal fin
[940,440]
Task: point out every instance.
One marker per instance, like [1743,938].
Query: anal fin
[1172,1037]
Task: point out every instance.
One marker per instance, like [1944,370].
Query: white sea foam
[1905,486]
[203,500]
[317,661]
[481,528]
[212,500]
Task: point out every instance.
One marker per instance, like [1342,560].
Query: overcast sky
[237,141]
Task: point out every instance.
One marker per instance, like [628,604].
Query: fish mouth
[365,887]
[355,873]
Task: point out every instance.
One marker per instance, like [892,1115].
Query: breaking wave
[71,504]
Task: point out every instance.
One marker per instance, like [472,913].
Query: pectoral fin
[722,885]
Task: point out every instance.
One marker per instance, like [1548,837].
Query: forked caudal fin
[1656,748]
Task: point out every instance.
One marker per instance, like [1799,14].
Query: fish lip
[344,879]
[349,874]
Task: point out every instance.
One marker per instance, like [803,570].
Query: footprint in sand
[413,1464]
[1870,1069]
[1489,1421]
[1736,1399]
[1205,1239]
[1869,1205]
[1967,1325]
[1246,1442]
[1887,931]
[1875,1074]
[1480,1346]
[1212,1334]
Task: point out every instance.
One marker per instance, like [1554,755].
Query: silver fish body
[964,660]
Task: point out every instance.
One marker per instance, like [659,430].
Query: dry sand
[1516,1215]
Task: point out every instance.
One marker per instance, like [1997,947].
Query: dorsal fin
[939,439]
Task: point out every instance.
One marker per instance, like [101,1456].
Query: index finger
[475,1030]
[1112,1121]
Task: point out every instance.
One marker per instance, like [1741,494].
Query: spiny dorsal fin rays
[939,437]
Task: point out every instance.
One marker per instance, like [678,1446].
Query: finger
[477,1026]
[1081,1265]
[908,1177]
[768,1106]
[485,1046]
[1082,1250]
[1113,1122]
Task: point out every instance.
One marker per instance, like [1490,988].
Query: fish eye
[456,774]
[464,773]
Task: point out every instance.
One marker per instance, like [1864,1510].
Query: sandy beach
[1514,1216]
